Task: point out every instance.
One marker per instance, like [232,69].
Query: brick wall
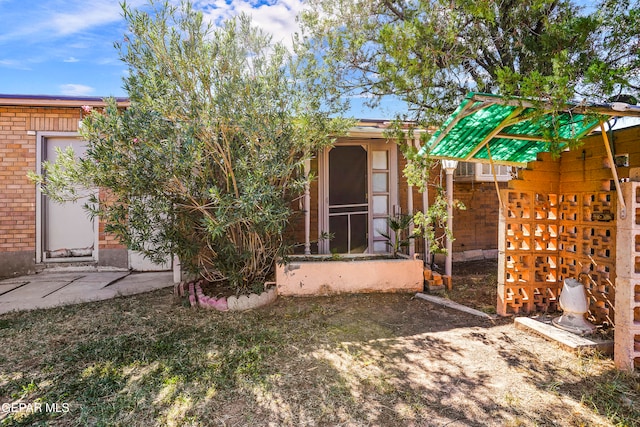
[17,192]
[475,228]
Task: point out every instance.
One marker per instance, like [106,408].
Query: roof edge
[57,100]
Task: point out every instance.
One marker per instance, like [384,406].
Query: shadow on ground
[345,360]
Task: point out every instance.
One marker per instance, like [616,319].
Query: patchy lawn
[347,360]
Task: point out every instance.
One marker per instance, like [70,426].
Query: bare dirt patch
[475,284]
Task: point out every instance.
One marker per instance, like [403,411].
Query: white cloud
[11,63]
[71,59]
[108,61]
[71,89]
[83,16]
[277,18]
[57,18]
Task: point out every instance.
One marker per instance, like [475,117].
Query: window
[467,171]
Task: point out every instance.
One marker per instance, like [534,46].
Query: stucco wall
[308,278]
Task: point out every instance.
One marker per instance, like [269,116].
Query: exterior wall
[475,228]
[562,219]
[326,277]
[18,127]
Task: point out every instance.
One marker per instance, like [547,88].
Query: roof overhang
[380,129]
[512,131]
[56,101]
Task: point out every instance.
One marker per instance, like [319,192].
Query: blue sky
[65,47]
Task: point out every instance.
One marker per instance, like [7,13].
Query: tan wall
[557,225]
[326,277]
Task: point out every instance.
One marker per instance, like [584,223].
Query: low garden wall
[322,275]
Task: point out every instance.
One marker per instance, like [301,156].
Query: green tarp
[510,131]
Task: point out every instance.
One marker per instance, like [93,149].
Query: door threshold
[68,260]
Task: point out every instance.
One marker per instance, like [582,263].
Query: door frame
[369,145]
[41,141]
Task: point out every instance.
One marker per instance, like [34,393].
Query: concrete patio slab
[8,287]
[52,289]
[566,340]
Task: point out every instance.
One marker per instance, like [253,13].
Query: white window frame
[481,172]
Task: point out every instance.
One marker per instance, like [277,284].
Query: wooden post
[307,209]
[614,171]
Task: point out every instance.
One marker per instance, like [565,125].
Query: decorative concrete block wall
[588,248]
[528,258]
[568,231]
[588,240]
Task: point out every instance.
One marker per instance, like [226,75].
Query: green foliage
[400,238]
[431,223]
[431,53]
[208,157]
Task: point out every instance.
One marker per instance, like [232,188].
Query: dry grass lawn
[356,360]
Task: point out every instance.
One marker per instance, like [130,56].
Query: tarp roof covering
[488,128]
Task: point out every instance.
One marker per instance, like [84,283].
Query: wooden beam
[466,110]
[511,119]
[527,138]
[484,161]
[578,109]
[614,171]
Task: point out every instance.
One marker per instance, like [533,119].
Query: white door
[68,232]
[137,262]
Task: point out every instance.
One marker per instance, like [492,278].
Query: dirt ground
[475,284]
[350,360]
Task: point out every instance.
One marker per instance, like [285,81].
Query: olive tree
[208,157]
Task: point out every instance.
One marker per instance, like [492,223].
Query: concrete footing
[565,339]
